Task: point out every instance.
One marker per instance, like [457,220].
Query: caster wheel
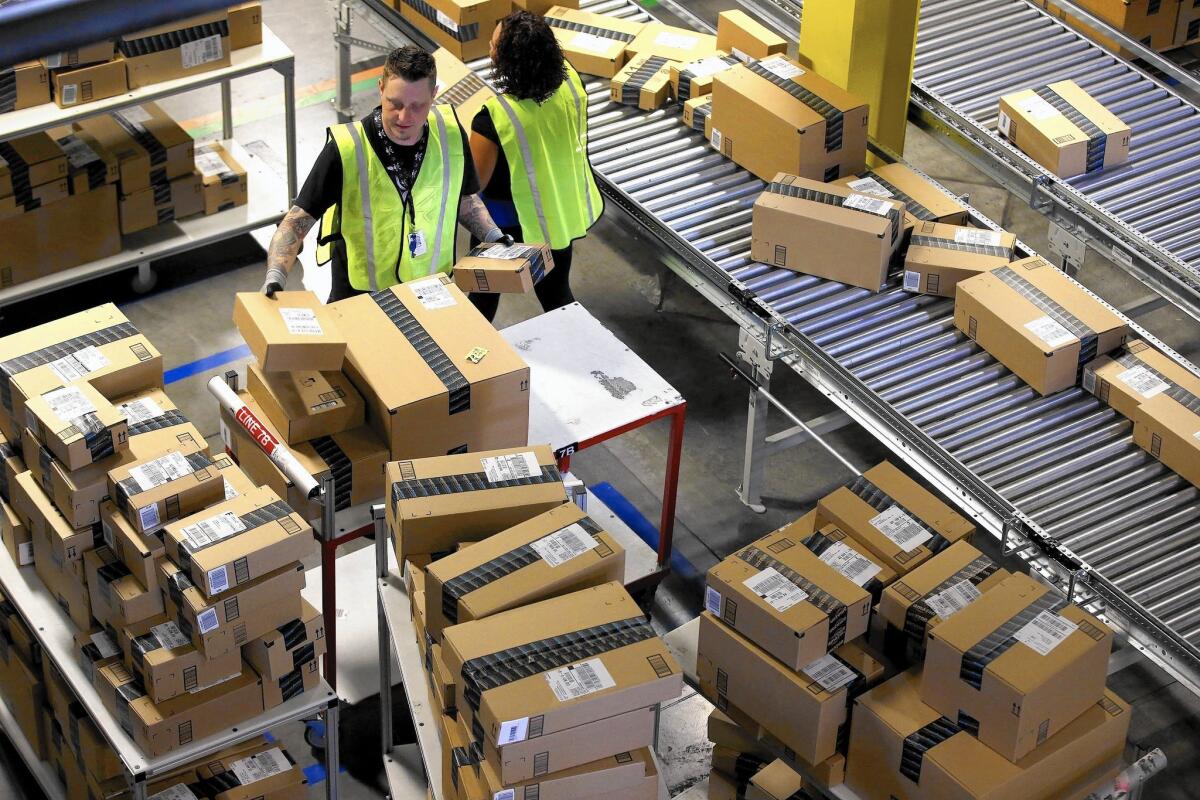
[144,281]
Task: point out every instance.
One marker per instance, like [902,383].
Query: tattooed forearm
[473,215]
[289,239]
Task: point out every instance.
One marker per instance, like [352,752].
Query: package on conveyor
[442,681]
[435,503]
[824,229]
[845,554]
[464,27]
[29,86]
[559,683]
[697,112]
[745,38]
[290,331]
[675,44]
[459,86]
[245,25]
[1187,28]
[900,521]
[436,376]
[223,180]
[931,594]
[694,78]
[117,598]
[166,661]
[1037,322]
[1167,426]
[1063,128]
[77,424]
[900,747]
[1153,24]
[559,551]
[593,43]
[924,200]
[178,49]
[58,548]
[774,116]
[644,81]
[498,268]
[939,256]
[304,405]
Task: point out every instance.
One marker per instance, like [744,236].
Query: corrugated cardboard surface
[306,404]
[464,27]
[263,323]
[1048,137]
[600,48]
[223,180]
[939,256]
[178,496]
[48,240]
[775,781]
[941,207]
[677,44]
[116,597]
[1133,376]
[738,33]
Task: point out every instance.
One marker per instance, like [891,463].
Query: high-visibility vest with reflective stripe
[381,249]
[553,188]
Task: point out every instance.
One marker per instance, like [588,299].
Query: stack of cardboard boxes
[1157,24]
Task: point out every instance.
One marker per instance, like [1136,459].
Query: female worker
[529,143]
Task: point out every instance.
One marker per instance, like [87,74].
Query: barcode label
[679,41]
[578,680]
[432,293]
[974,236]
[513,467]
[779,593]
[69,403]
[1050,331]
[446,20]
[706,67]
[564,545]
[831,673]
[870,186]
[1004,125]
[214,529]
[70,94]
[903,530]
[781,67]
[716,140]
[712,600]
[78,364]
[210,164]
[1143,381]
[513,731]
[301,322]
[207,620]
[179,791]
[1037,109]
[872,205]
[138,411]
[164,469]
[148,517]
[218,580]
[505,794]
[105,646]
[201,51]
[260,766]
[1089,379]
[24,554]
[169,635]
[741,55]
[1045,632]
[953,599]
[912,281]
[591,42]
[850,562]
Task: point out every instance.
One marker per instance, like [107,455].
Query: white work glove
[496,235]
[275,281]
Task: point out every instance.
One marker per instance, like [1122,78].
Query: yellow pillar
[867,48]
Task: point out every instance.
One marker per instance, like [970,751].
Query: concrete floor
[616,276]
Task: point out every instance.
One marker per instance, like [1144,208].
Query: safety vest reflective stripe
[530,169]
[364,189]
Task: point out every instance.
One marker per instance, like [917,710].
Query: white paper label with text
[579,680]
[512,467]
[903,530]
[779,592]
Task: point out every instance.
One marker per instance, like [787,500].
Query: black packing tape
[457,386]
[976,660]
[910,205]
[1043,302]
[918,743]
[594,30]
[339,466]
[818,543]
[1097,140]
[18,364]
[1177,393]
[168,419]
[129,487]
[834,119]
[832,607]
[916,619]
[156,43]
[18,173]
[881,501]
[465,482]
[919,240]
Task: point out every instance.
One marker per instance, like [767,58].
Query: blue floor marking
[205,364]
[625,511]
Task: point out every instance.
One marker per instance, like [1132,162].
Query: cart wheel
[314,734]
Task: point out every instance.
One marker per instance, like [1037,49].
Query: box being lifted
[290,331]
[496,268]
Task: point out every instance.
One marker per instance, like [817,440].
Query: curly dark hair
[529,63]
[410,63]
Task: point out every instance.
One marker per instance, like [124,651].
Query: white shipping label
[511,252]
[705,67]
[512,467]
[872,205]
[953,599]
[78,364]
[716,140]
[230,492]
[680,41]
[169,635]
[1004,125]
[207,620]
[78,152]
[830,672]
[70,94]
[975,236]
[741,55]
[505,794]
[564,545]
[24,554]
[69,403]
[1089,379]
[148,517]
[52,61]
[446,20]
[1037,109]
[1143,381]
[780,593]
[105,646]
[179,791]
[781,67]
[218,580]
[897,525]
[1050,331]
[851,563]
[210,164]
[431,293]
[1045,632]
[712,600]
[201,51]
[591,42]
[139,411]
[870,186]
[1196,435]
[912,281]
[170,467]
[513,731]
[260,766]
[110,539]
[301,322]
[214,529]
[578,680]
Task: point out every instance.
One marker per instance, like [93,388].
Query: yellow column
[867,48]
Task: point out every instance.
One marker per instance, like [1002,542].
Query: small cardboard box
[85,84]
[77,424]
[266,771]
[287,647]
[736,763]
[17,539]
[39,515]
[559,551]
[159,728]
[290,331]
[459,86]
[491,491]
[675,44]
[304,678]
[787,600]
[117,598]
[66,580]
[31,86]
[745,38]
[924,201]
[644,81]
[939,256]
[901,522]
[164,201]
[153,491]
[168,664]
[96,648]
[775,781]
[1064,129]
[696,111]
[13,465]
[464,27]
[1168,427]
[139,552]
[30,160]
[826,230]
[1005,311]
[1134,375]
[442,681]
[1019,663]
[694,78]
[593,43]
[222,178]
[500,269]
[306,404]
[1149,22]
[79,56]
[177,49]
[245,25]
[622,774]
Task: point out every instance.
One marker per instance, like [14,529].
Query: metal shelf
[45,777]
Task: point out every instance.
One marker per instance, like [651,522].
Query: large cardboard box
[165,201]
[939,256]
[91,749]
[289,646]
[774,116]
[464,27]
[265,771]
[159,728]
[306,404]
[554,553]
[593,43]
[435,503]
[787,600]
[899,520]
[17,539]
[622,667]
[77,424]
[49,239]
[644,81]
[173,484]
[36,510]
[675,44]
[28,161]
[166,662]
[694,78]
[177,49]
[139,552]
[436,376]
[117,598]
[1064,129]
[1168,427]
[245,25]
[923,200]
[28,84]
[902,748]
[622,773]
[1037,322]
[290,331]
[459,86]
[745,38]
[149,145]
[496,269]
[73,87]
[825,230]
[223,179]
[1017,665]
[1132,376]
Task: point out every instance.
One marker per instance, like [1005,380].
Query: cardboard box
[1132,376]
[902,748]
[1064,129]
[1016,666]
[460,769]
[559,551]
[26,704]
[304,678]
[163,202]
[65,581]
[223,179]
[846,555]
[724,732]
[166,662]
[30,86]
[264,771]
[79,56]
[306,404]
[442,681]
[17,539]
[675,44]
[85,84]
[139,552]
[89,746]
[593,43]
[1150,23]
[36,245]
[159,728]
[289,646]
[830,772]
[96,648]
[88,167]
[627,669]
[77,424]
[117,598]
[154,491]
[177,49]
[497,269]
[12,465]
[696,111]
[825,229]
[245,25]
[290,331]
[694,78]
[459,86]
[492,491]
[31,198]
[775,781]
[540,7]
[37,512]
[149,144]
[939,256]
[1004,310]
[1187,28]
[787,600]
[924,200]
[745,38]
[464,27]
[623,771]
[644,81]
[762,120]
[30,160]
[445,382]
[1168,427]
[736,764]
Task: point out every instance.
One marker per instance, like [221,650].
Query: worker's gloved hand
[275,281]
[496,235]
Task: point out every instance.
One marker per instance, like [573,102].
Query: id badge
[416,244]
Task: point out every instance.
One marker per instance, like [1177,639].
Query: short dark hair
[411,64]
[529,63]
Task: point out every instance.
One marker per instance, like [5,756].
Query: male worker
[387,189]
